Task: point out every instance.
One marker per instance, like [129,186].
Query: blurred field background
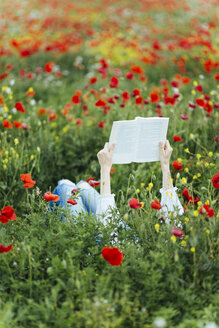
[75,67]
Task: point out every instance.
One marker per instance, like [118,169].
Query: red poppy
[5,249]
[138,100]
[93,80]
[114,82]
[112,255]
[199,88]
[156,205]
[129,76]
[215,180]
[177,165]
[175,84]
[48,68]
[125,96]
[184,117]
[41,111]
[19,106]
[185,80]
[17,124]
[101,124]
[75,99]
[7,214]
[134,203]
[75,191]
[137,69]
[154,97]
[177,138]
[207,211]
[185,193]
[100,103]
[177,232]
[72,201]
[216,77]
[191,199]
[135,93]
[52,116]
[79,122]
[28,182]
[200,102]
[192,105]
[7,124]
[48,196]
[92,182]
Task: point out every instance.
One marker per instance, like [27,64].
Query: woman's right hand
[165,151]
[105,156]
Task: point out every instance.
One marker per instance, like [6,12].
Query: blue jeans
[86,200]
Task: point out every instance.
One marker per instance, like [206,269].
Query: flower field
[69,69]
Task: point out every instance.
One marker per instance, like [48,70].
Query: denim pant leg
[89,196]
[64,190]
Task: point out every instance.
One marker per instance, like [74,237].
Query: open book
[137,140]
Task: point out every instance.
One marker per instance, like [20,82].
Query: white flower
[33,102]
[160,322]
[12,82]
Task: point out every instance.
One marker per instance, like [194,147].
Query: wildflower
[79,122]
[184,117]
[93,80]
[154,97]
[183,243]
[19,106]
[100,103]
[28,182]
[184,180]
[41,111]
[177,165]
[198,156]
[101,124]
[112,255]
[157,227]
[17,124]
[186,150]
[177,232]
[177,138]
[137,69]
[134,203]
[75,192]
[72,201]
[5,249]
[215,180]
[199,88]
[206,211]
[192,249]
[173,238]
[75,99]
[200,102]
[129,76]
[48,196]
[186,220]
[114,82]
[92,182]
[7,124]
[7,214]
[156,205]
[16,141]
[196,213]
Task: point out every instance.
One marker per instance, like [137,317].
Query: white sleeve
[105,204]
[170,202]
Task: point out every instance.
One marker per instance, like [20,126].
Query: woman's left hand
[105,156]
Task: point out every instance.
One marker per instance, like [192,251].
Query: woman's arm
[165,154]
[169,198]
[105,157]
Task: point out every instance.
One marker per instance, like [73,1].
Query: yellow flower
[32,157]
[186,220]
[198,175]
[194,177]
[191,135]
[157,227]
[186,170]
[16,141]
[4,167]
[198,163]
[207,202]
[199,203]
[186,150]
[212,164]
[142,203]
[142,184]
[193,92]
[179,160]
[150,185]
[183,243]
[192,249]
[207,231]
[218,215]
[206,164]
[195,83]
[183,180]
[138,191]
[196,213]
[198,156]
[173,238]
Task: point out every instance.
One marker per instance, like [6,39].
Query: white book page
[123,134]
[149,132]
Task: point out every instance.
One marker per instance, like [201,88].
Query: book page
[149,132]
[123,134]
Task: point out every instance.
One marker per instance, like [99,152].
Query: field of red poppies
[67,71]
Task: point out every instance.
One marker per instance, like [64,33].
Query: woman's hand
[105,156]
[165,151]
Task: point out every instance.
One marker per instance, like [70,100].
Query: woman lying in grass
[89,200]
